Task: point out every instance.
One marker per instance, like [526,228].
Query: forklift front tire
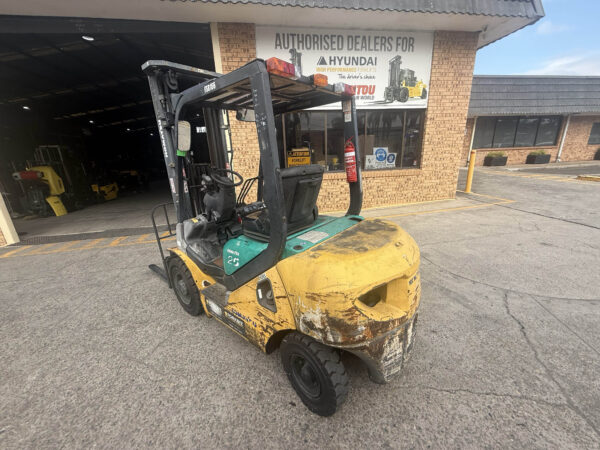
[316,372]
[184,286]
[403,95]
[424,93]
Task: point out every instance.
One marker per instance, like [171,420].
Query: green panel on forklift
[242,249]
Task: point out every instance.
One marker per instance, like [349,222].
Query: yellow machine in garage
[274,270]
[106,192]
[44,188]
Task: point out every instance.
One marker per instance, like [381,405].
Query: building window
[516,131]
[484,132]
[595,134]
[504,134]
[320,134]
[526,131]
[548,131]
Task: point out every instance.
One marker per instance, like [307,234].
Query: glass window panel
[484,132]
[595,134]
[504,134]
[548,130]
[411,155]
[384,130]
[306,130]
[526,131]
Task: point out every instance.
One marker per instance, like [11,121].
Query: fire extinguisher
[350,161]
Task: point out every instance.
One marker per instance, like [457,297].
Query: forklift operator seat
[301,187]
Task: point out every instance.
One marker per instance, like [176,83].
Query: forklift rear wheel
[316,372]
[184,286]
[424,94]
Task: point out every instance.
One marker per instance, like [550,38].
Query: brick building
[518,115]
[412,63]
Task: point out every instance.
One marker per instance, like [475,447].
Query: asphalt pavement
[96,351]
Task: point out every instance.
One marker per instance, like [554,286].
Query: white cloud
[549,27]
[582,64]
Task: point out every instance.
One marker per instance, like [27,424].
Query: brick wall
[576,146]
[238,46]
[516,155]
[449,92]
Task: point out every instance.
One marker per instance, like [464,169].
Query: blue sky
[565,42]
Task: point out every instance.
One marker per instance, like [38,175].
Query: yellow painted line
[62,248]
[588,178]
[396,205]
[72,246]
[145,242]
[17,250]
[458,208]
[39,249]
[90,244]
[488,196]
[545,177]
[117,241]
[501,201]
[142,238]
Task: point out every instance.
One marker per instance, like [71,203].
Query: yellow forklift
[43,190]
[272,269]
[403,83]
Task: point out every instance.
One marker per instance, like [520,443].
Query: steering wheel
[223,180]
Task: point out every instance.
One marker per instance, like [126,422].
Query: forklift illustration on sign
[403,84]
[270,267]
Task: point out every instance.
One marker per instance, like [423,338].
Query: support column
[8,234]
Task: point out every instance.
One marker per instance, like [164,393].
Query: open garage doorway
[79,149]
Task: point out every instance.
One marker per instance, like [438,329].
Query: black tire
[403,95]
[424,93]
[316,372]
[184,286]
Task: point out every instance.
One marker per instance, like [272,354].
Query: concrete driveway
[97,352]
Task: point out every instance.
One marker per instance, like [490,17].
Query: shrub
[496,154]
[538,153]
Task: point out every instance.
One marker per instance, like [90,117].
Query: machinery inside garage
[78,136]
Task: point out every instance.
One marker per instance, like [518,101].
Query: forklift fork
[164,271]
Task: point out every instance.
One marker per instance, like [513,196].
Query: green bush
[496,154]
[538,153]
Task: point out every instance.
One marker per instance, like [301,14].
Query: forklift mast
[164,80]
[395,72]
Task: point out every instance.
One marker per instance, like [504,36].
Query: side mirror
[245,115]
[184,135]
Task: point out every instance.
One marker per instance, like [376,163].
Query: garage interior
[73,97]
